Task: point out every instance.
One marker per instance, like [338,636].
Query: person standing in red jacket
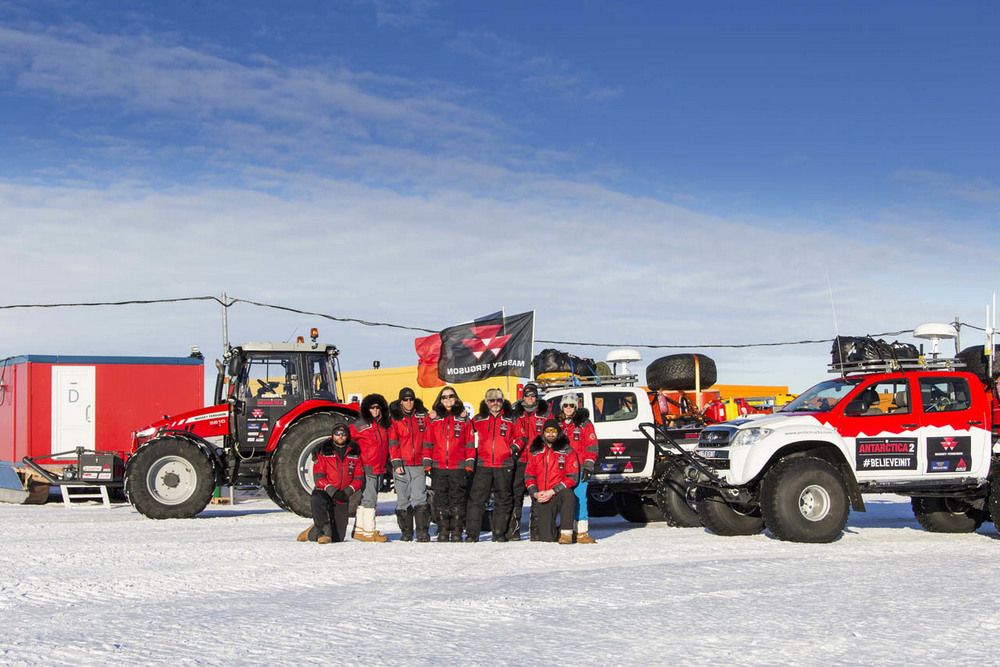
[576,425]
[497,451]
[449,454]
[530,414]
[407,435]
[338,475]
[371,432]
[552,472]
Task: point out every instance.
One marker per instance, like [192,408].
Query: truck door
[881,425]
[622,449]
[954,416]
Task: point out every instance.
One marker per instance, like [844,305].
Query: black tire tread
[671,498]
[135,472]
[777,478]
[633,509]
[721,519]
[933,516]
[676,372]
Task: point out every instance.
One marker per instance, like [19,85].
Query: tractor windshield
[324,380]
[822,397]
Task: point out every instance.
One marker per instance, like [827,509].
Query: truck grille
[715,436]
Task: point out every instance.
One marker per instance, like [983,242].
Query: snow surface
[94,586]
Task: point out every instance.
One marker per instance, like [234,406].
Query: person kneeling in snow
[552,472]
[338,474]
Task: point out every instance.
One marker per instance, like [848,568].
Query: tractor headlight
[749,436]
[146,432]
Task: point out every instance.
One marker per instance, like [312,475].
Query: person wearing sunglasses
[450,453]
[407,434]
[530,414]
[552,472]
[578,429]
[337,474]
[371,432]
[496,452]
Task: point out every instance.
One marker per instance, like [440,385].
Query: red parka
[450,442]
[408,434]
[373,436]
[555,468]
[339,468]
[497,443]
[529,425]
[582,438]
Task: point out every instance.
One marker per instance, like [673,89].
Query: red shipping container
[51,404]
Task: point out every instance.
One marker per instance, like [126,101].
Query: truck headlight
[749,436]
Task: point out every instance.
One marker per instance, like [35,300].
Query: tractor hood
[211,420]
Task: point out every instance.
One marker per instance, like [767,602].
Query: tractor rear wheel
[292,462]
[169,478]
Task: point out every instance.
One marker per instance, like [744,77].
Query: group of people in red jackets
[504,451]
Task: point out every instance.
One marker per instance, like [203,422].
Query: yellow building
[388,382]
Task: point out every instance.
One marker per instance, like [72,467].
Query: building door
[74,391]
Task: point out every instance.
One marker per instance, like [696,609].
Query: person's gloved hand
[427,469]
[341,495]
[468,468]
[585,475]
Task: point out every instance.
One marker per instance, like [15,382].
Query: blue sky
[653,172]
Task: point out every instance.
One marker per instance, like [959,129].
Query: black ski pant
[449,488]
[329,516]
[544,515]
[516,500]
[485,480]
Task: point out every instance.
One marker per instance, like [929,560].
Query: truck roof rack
[589,381]
[893,365]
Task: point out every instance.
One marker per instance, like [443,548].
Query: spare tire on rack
[975,361]
[676,372]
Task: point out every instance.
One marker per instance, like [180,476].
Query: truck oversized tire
[804,500]
[601,502]
[947,515]
[975,361]
[169,478]
[724,519]
[291,463]
[675,372]
[637,509]
[674,498]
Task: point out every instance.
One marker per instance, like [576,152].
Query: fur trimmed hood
[542,410]
[379,400]
[561,444]
[329,449]
[396,412]
[507,410]
[580,417]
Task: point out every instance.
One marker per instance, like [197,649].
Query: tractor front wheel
[169,478]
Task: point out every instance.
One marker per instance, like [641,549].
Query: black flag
[492,345]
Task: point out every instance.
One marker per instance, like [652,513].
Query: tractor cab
[268,380]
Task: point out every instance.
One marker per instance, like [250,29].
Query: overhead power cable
[371,323]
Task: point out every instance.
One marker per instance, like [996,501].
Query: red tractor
[275,404]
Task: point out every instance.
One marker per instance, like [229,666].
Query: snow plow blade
[11,488]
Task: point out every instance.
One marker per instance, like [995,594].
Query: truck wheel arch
[827,451]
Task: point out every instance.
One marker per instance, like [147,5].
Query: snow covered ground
[93,586]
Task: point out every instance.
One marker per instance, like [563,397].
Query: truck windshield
[822,397]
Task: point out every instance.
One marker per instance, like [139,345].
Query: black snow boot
[514,527]
[405,520]
[422,518]
[444,526]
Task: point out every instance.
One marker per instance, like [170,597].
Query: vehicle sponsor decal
[950,453]
[886,453]
[617,448]
[200,418]
[271,401]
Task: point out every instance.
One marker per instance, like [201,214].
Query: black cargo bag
[554,361]
[848,349]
